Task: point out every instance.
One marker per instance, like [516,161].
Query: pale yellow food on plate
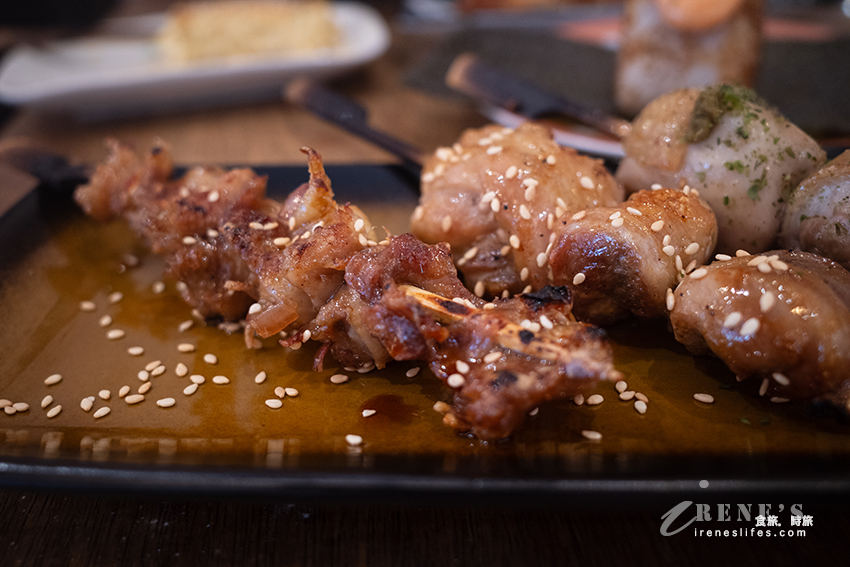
[211,30]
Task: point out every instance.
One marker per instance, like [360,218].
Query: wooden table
[43,527]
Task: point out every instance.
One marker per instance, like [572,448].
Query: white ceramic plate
[124,73]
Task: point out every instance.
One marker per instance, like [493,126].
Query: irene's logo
[767,522]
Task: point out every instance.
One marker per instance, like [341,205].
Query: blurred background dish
[121,70]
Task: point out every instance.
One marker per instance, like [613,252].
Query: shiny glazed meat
[627,259]
[781,317]
[497,195]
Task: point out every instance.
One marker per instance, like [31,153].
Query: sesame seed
[479,288]
[353,440]
[260,378]
[190,389]
[274,403]
[471,253]
[779,265]
[595,400]
[291,223]
[210,358]
[144,375]
[447,223]
[456,380]
[181,369]
[579,215]
[766,301]
[9,410]
[255,308]
[102,412]
[627,395]
[412,372]
[764,267]
[511,172]
[504,250]
[339,379]
[546,322]
[666,240]
[668,250]
[591,435]
[781,379]
[130,260]
[634,211]
[621,386]
[221,380]
[359,224]
[143,389]
[281,241]
[462,367]
[495,205]
[428,177]
[363,240]
[54,411]
[271,225]
[524,213]
[189,240]
[655,186]
[526,289]
[493,150]
[52,379]
[105,321]
[134,399]
[186,347]
[212,233]
[657,226]
[87,306]
[123,391]
[640,406]
[670,300]
[678,263]
[46,401]
[618,222]
[534,412]
[732,319]
[492,357]
[704,398]
[197,379]
[692,248]
[757,260]
[542,258]
[615,215]
[368,412]
[587,182]
[114,334]
[642,397]
[763,387]
[578,399]
[579,278]
[213,196]
[158,371]
[750,327]
[291,392]
[530,192]
[523,274]
[488,196]
[700,273]
[136,351]
[551,160]
[104,394]
[722,257]
[166,402]
[690,267]
[514,240]
[778,400]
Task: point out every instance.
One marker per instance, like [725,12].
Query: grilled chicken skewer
[310,268]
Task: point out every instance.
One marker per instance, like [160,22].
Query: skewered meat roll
[310,267]
[743,156]
[497,195]
[627,259]
[817,218]
[782,317]
[558,224]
